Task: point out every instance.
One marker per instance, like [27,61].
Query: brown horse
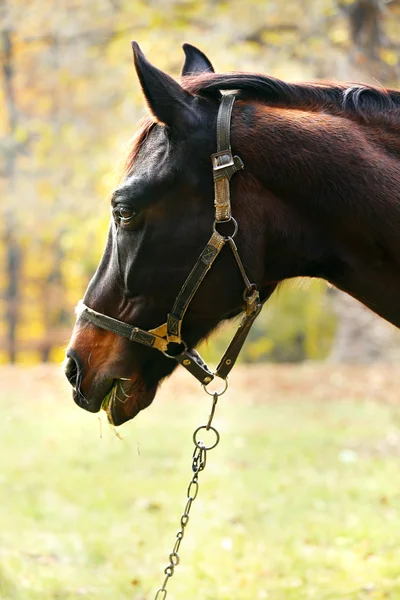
[319,197]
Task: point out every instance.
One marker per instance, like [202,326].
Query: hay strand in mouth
[118,389]
[107,399]
[115,393]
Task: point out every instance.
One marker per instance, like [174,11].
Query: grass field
[301,499]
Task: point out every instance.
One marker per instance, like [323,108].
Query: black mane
[353,100]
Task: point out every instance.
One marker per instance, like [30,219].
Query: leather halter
[224,166]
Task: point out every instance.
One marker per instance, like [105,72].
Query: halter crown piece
[224,166]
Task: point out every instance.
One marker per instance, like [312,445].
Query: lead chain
[199,461]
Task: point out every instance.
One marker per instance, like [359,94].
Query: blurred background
[301,500]
[70,101]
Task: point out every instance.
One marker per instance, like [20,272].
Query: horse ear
[195,61]
[167,100]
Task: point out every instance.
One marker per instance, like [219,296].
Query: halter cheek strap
[225,165]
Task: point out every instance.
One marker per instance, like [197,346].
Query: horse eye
[124,214]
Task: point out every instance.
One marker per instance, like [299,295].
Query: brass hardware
[186,362]
[160,331]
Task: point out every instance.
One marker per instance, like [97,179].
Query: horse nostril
[71,370]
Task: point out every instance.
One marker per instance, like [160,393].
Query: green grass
[301,499]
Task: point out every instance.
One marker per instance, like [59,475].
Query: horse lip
[90,405]
[94,401]
[120,407]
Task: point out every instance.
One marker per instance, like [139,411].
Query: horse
[319,197]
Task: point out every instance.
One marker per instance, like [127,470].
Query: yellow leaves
[45,190]
[57,354]
[21,134]
[107,182]
[45,139]
[389,56]
[259,349]
[296,324]
[77,97]
[339,34]
[271,37]
[35,329]
[318,323]
[43,104]
[4,120]
[329,10]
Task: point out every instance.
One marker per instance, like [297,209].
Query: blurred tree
[360,336]
[70,103]
[13,249]
[365,17]
[372,46]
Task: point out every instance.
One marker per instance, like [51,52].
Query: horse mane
[361,102]
[134,144]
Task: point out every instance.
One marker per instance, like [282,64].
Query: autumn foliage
[69,104]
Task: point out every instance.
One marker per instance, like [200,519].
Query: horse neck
[330,191]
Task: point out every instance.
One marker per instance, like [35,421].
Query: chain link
[199,461]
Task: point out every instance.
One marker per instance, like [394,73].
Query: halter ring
[200,444]
[181,343]
[216,393]
[230,220]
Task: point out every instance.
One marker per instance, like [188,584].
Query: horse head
[162,216]
[315,156]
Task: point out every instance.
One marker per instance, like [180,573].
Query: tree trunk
[13,250]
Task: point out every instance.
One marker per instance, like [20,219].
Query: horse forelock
[135,143]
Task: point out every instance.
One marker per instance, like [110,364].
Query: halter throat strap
[224,165]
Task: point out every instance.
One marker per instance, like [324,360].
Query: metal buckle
[222,160]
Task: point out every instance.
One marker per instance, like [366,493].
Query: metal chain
[199,461]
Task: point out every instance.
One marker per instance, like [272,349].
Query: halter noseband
[224,166]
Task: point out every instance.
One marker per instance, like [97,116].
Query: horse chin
[126,399]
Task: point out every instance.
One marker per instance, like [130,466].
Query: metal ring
[249,291]
[201,444]
[193,493]
[174,558]
[230,220]
[218,393]
[169,570]
[182,343]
